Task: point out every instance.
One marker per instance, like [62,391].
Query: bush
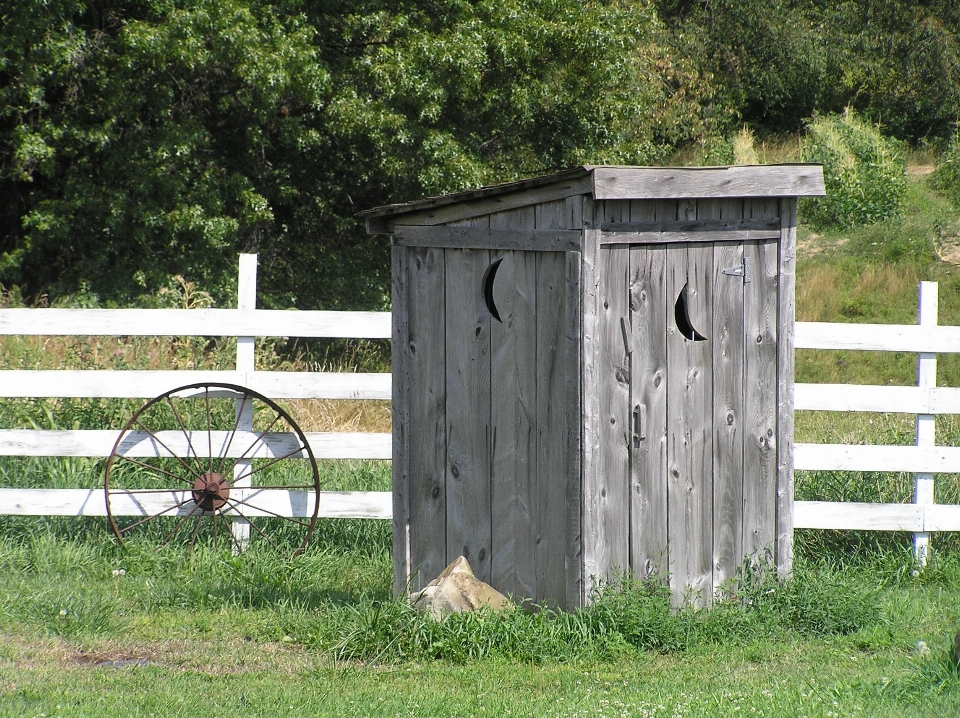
[946,178]
[864,172]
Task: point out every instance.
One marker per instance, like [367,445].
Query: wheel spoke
[154,468]
[151,518]
[180,524]
[196,530]
[229,532]
[147,491]
[206,394]
[255,527]
[182,427]
[269,464]
[233,433]
[259,437]
[172,453]
[234,503]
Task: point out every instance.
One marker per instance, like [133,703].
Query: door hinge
[742,271]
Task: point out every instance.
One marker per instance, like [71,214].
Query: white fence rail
[245,323]
[925,400]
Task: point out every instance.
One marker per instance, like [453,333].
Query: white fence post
[246,299]
[926,423]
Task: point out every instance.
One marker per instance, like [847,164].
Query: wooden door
[702,459]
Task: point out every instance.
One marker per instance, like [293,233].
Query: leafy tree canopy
[142,140]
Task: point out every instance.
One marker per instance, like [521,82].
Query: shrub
[946,178]
[864,172]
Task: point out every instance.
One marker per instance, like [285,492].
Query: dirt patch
[230,657]
[814,244]
[919,170]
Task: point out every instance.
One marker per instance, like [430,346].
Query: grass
[90,629]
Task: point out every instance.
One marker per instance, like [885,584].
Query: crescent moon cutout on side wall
[488,278]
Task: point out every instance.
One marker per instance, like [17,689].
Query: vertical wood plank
[573,361]
[648,404]
[469,431]
[513,402]
[553,412]
[689,415]
[592,554]
[786,314]
[760,392]
[610,502]
[728,387]
[422,393]
[400,415]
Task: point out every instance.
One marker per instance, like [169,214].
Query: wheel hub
[211,491]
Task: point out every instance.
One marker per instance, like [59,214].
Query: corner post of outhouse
[786,318]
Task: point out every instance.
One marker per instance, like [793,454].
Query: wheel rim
[212,464]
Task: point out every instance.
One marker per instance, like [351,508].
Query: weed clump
[864,172]
[946,178]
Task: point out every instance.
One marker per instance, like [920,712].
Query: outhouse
[592,374]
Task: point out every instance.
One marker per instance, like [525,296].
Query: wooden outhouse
[592,374]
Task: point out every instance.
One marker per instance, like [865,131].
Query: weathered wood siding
[508,496]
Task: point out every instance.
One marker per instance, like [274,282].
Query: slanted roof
[615,182]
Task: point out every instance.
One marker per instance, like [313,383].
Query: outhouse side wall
[486,454]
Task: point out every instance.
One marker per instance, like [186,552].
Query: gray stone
[457,590]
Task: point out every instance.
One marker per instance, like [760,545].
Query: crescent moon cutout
[488,278]
[681,314]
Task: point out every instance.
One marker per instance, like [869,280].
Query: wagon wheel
[216,465]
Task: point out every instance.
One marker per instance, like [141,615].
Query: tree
[140,140]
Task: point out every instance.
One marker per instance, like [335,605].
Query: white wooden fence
[246,323]
[925,400]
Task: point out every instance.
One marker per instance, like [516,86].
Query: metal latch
[639,423]
[742,271]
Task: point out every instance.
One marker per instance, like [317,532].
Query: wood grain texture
[591,378]
[689,428]
[728,403]
[707,182]
[760,418]
[648,388]
[575,357]
[553,412]
[474,208]
[513,402]
[610,494]
[400,416]
[731,211]
[497,237]
[468,410]
[627,237]
[786,314]
[426,404]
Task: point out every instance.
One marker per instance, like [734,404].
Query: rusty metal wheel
[217,465]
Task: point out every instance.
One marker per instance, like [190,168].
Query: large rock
[457,590]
